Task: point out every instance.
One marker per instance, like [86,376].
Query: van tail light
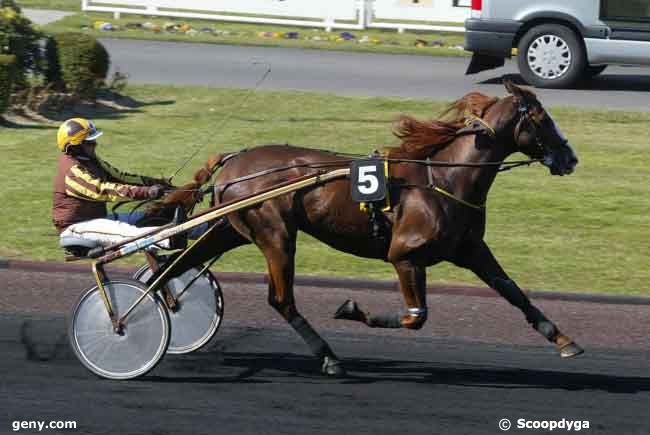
[477,8]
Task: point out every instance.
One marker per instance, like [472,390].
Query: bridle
[476,124]
[526,118]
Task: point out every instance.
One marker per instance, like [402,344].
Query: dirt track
[474,363]
[485,319]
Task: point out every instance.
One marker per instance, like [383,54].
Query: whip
[229,115]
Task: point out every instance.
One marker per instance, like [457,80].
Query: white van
[558,42]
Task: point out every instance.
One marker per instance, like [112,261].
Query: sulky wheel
[136,348]
[198,311]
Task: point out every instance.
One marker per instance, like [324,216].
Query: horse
[438,211]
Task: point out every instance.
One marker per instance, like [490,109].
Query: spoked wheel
[126,354]
[198,310]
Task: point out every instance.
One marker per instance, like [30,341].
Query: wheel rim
[120,356]
[549,57]
[200,310]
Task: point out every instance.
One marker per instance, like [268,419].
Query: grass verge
[585,232]
[58,5]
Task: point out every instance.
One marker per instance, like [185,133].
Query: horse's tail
[188,194]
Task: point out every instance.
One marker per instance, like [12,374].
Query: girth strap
[448,194]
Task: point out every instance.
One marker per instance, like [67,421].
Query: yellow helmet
[74,131]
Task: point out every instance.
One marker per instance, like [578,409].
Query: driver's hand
[155,191]
[165,182]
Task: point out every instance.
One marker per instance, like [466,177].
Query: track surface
[361,74]
[474,363]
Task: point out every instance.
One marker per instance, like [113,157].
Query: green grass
[585,232]
[59,5]
[249,34]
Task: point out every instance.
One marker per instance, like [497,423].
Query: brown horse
[437,212]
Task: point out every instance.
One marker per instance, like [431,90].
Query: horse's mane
[422,138]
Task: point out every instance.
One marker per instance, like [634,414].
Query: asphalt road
[346,73]
[261,380]
[473,364]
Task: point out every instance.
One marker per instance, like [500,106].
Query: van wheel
[551,56]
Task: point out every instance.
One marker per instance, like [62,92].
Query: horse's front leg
[412,281]
[478,258]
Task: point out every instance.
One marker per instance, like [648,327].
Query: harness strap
[445,193]
[429,172]
[224,159]
[455,198]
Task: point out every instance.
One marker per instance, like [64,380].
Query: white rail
[341,14]
[409,14]
[328,14]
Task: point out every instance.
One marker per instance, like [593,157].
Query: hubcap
[549,57]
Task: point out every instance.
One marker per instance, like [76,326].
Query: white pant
[107,232]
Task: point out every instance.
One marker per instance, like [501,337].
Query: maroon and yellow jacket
[83,186]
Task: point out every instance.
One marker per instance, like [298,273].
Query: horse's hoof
[349,311]
[570,350]
[332,367]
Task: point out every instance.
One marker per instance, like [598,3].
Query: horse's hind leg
[412,281]
[279,249]
[480,260]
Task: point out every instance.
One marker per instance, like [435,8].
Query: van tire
[561,47]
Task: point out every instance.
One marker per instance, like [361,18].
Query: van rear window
[627,10]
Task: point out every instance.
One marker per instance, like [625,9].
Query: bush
[17,37]
[52,66]
[78,61]
[102,61]
[6,79]
[10,4]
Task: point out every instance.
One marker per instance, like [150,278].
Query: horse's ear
[512,88]
[522,94]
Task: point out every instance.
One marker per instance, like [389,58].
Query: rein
[504,166]
[473,125]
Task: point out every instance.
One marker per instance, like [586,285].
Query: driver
[84,183]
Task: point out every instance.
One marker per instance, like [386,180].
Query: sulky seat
[77,246]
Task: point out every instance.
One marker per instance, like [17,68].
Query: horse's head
[536,134]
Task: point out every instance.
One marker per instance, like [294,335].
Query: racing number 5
[367,182]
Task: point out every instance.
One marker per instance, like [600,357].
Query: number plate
[367,180]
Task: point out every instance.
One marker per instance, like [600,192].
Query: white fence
[402,13]
[329,14]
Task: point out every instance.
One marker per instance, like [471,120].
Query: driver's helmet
[74,131]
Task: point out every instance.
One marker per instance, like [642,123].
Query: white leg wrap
[417,312]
